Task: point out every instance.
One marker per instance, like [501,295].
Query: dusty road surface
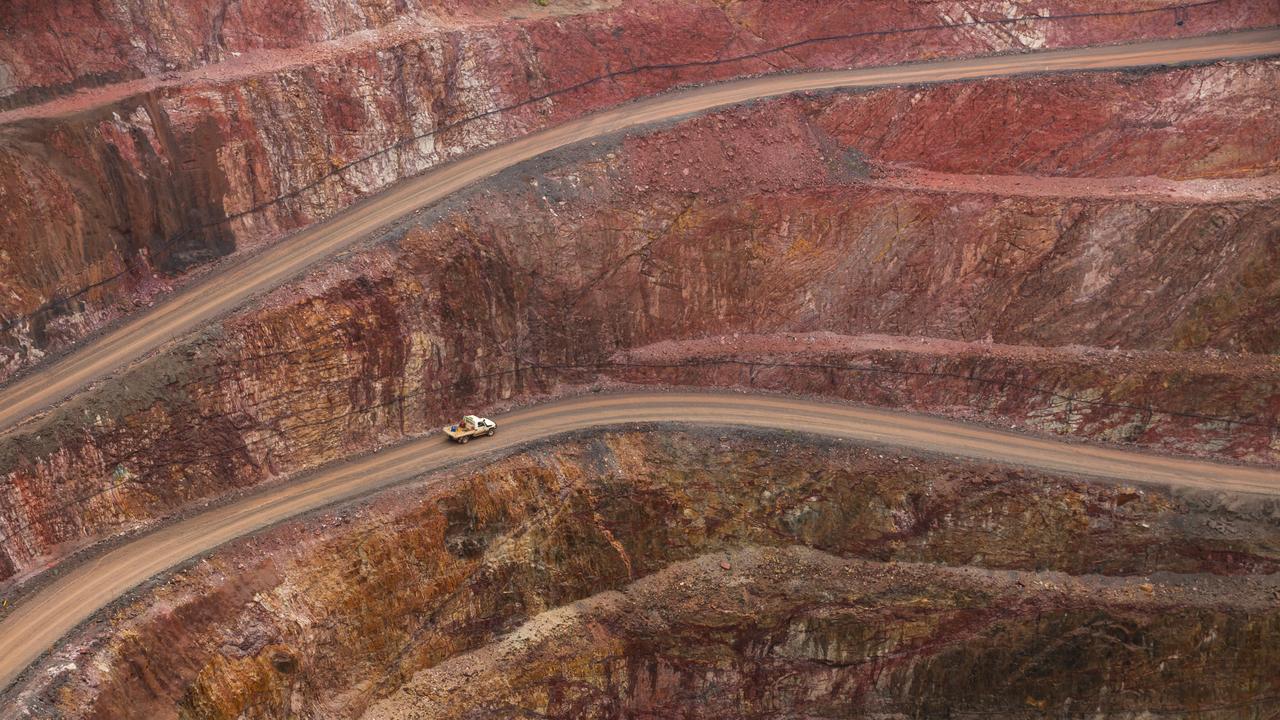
[37,624]
[223,291]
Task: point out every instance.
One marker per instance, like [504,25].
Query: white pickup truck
[471,426]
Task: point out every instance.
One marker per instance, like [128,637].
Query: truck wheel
[490,433]
[463,440]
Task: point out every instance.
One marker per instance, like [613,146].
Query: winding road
[223,291]
[39,622]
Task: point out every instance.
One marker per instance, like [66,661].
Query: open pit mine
[559,359]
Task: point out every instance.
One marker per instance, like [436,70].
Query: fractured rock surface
[791,632]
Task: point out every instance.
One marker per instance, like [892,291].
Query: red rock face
[1157,124]
[611,257]
[268,139]
[1093,256]
[57,47]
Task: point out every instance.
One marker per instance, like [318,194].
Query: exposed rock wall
[321,617]
[750,634]
[783,231]
[115,199]
[791,246]
[1153,123]
[1154,400]
[53,48]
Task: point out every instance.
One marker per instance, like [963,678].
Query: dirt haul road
[223,291]
[37,624]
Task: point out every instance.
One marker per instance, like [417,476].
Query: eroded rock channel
[669,571]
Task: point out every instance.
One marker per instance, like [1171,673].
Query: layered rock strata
[783,220]
[116,194]
[763,573]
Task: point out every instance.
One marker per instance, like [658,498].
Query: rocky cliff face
[1095,256]
[665,571]
[749,634]
[52,49]
[777,223]
[117,193]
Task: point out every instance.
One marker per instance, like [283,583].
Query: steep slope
[574,270]
[126,189]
